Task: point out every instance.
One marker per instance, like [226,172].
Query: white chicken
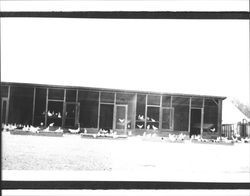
[154,127]
[121,120]
[148,127]
[59,130]
[51,124]
[75,131]
[50,114]
[139,126]
[153,120]
[140,117]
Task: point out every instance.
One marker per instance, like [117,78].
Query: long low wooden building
[132,112]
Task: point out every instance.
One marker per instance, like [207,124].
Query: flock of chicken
[151,120]
[30,128]
[53,114]
[221,139]
[110,133]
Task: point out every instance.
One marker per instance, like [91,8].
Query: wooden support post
[160,117]
[99,107]
[135,105]
[202,115]
[219,121]
[33,108]
[77,109]
[46,108]
[64,109]
[189,114]
[114,112]
[146,111]
[171,114]
[7,106]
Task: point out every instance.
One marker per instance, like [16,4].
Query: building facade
[97,108]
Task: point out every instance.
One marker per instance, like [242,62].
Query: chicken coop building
[132,112]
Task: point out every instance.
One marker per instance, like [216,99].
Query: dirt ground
[71,152]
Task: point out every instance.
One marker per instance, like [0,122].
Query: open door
[72,115]
[196,121]
[4,110]
[121,117]
[106,116]
[167,118]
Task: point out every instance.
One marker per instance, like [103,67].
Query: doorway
[195,122]
[106,116]
[121,117]
[167,118]
[4,110]
[72,115]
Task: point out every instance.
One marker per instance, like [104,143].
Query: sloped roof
[231,114]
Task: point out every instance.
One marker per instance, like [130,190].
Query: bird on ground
[46,130]
[59,115]
[172,137]
[154,135]
[148,127]
[139,126]
[75,131]
[154,127]
[34,129]
[59,130]
[25,128]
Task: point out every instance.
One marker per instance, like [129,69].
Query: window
[71,95]
[107,97]
[154,100]
[4,91]
[57,94]
[166,101]
[197,102]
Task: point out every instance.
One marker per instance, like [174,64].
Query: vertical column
[135,117]
[172,114]
[189,114]
[114,112]
[64,108]
[202,116]
[77,109]
[98,116]
[219,121]
[46,109]
[33,109]
[160,118]
[146,111]
[7,106]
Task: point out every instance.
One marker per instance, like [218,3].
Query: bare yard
[71,152]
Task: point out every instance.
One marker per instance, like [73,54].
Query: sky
[208,57]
